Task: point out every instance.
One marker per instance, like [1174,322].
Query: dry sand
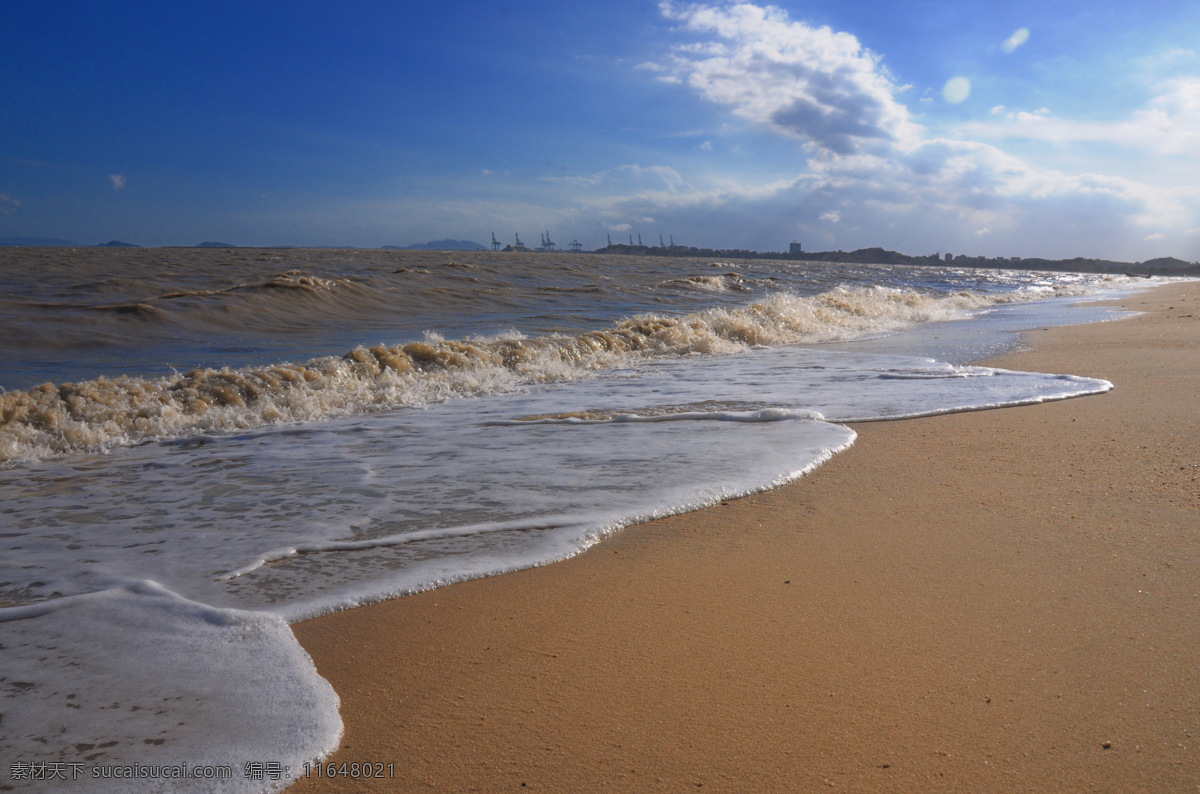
[1004,600]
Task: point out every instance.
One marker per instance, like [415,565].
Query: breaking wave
[724,282]
[97,414]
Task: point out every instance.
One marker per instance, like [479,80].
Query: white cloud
[633,178]
[889,203]
[1169,124]
[1154,237]
[706,146]
[1169,61]
[940,194]
[812,83]
[1019,37]
[118,181]
[8,204]
[864,170]
[872,168]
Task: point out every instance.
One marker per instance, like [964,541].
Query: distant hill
[38,241]
[439,245]
[1166,263]
[116,244]
[215,245]
[1165,266]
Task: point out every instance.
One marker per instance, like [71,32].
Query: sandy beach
[1004,600]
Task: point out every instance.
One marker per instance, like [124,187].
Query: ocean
[199,447]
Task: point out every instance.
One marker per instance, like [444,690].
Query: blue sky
[1018,129]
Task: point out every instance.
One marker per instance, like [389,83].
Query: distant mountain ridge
[1163,266]
[439,245]
[1167,263]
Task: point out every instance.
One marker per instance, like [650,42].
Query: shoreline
[979,600]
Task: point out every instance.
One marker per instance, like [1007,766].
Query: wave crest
[97,414]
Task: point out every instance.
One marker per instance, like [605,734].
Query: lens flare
[956,90]
[1019,37]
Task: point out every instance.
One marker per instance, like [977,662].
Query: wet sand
[1004,600]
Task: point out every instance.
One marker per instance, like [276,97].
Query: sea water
[227,442]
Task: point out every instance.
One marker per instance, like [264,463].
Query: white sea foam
[107,412]
[138,677]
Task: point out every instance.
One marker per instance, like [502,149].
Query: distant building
[795,248]
[949,257]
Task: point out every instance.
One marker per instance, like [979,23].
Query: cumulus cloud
[942,203]
[868,164]
[8,204]
[1154,237]
[1169,124]
[812,83]
[865,172]
[118,181]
